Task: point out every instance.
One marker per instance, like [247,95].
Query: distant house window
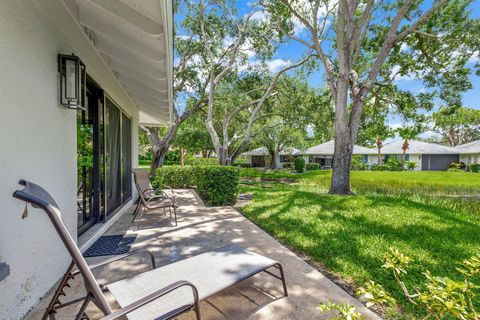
[282,158]
[407,157]
[365,158]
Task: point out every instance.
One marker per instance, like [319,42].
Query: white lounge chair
[161,293]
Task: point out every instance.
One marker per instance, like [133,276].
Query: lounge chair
[161,293]
[150,198]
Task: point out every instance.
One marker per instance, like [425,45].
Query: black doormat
[110,245]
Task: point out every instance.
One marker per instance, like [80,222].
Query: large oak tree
[363,45]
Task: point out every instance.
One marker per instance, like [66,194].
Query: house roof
[417,147]
[327,148]
[471,147]
[262,151]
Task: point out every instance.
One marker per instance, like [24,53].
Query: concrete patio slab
[201,229]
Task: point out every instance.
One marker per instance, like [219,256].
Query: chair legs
[141,207]
[137,207]
[175,214]
[137,210]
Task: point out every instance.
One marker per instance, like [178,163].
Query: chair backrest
[40,198]
[142,181]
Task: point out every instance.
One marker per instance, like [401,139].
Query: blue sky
[293,51]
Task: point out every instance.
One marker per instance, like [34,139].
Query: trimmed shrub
[242,165]
[217,185]
[299,165]
[201,161]
[175,177]
[144,162]
[172,157]
[312,166]
[475,167]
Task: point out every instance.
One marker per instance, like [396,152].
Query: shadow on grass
[351,235]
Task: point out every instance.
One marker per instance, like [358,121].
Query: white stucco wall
[372,159]
[38,143]
[470,158]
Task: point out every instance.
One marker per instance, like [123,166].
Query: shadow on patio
[201,229]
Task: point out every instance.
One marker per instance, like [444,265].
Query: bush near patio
[217,185]
[431,216]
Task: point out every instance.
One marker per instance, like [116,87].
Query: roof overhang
[135,38]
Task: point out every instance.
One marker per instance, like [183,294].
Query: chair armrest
[120,257]
[156,192]
[151,297]
[171,190]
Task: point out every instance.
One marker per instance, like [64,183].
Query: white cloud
[395,125]
[276,64]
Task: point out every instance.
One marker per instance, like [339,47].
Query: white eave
[135,39]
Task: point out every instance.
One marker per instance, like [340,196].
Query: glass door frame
[105,215]
[95,209]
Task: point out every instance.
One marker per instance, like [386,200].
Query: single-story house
[77,79]
[323,153]
[428,156]
[260,157]
[469,152]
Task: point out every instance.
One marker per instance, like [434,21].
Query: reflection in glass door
[87,146]
[118,157]
[113,180]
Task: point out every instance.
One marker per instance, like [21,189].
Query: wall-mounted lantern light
[72,81]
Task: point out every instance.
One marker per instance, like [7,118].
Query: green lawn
[432,216]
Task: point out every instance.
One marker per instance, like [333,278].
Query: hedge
[299,165]
[475,167]
[217,185]
[191,161]
[313,166]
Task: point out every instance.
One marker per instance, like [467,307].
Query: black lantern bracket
[73,79]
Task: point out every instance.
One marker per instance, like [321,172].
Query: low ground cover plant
[217,185]
[439,297]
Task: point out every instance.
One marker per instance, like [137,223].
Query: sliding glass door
[118,178]
[104,158]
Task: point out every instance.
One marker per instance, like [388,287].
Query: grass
[432,216]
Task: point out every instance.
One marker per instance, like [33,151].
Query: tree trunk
[157,160]
[160,146]
[342,156]
[222,155]
[342,162]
